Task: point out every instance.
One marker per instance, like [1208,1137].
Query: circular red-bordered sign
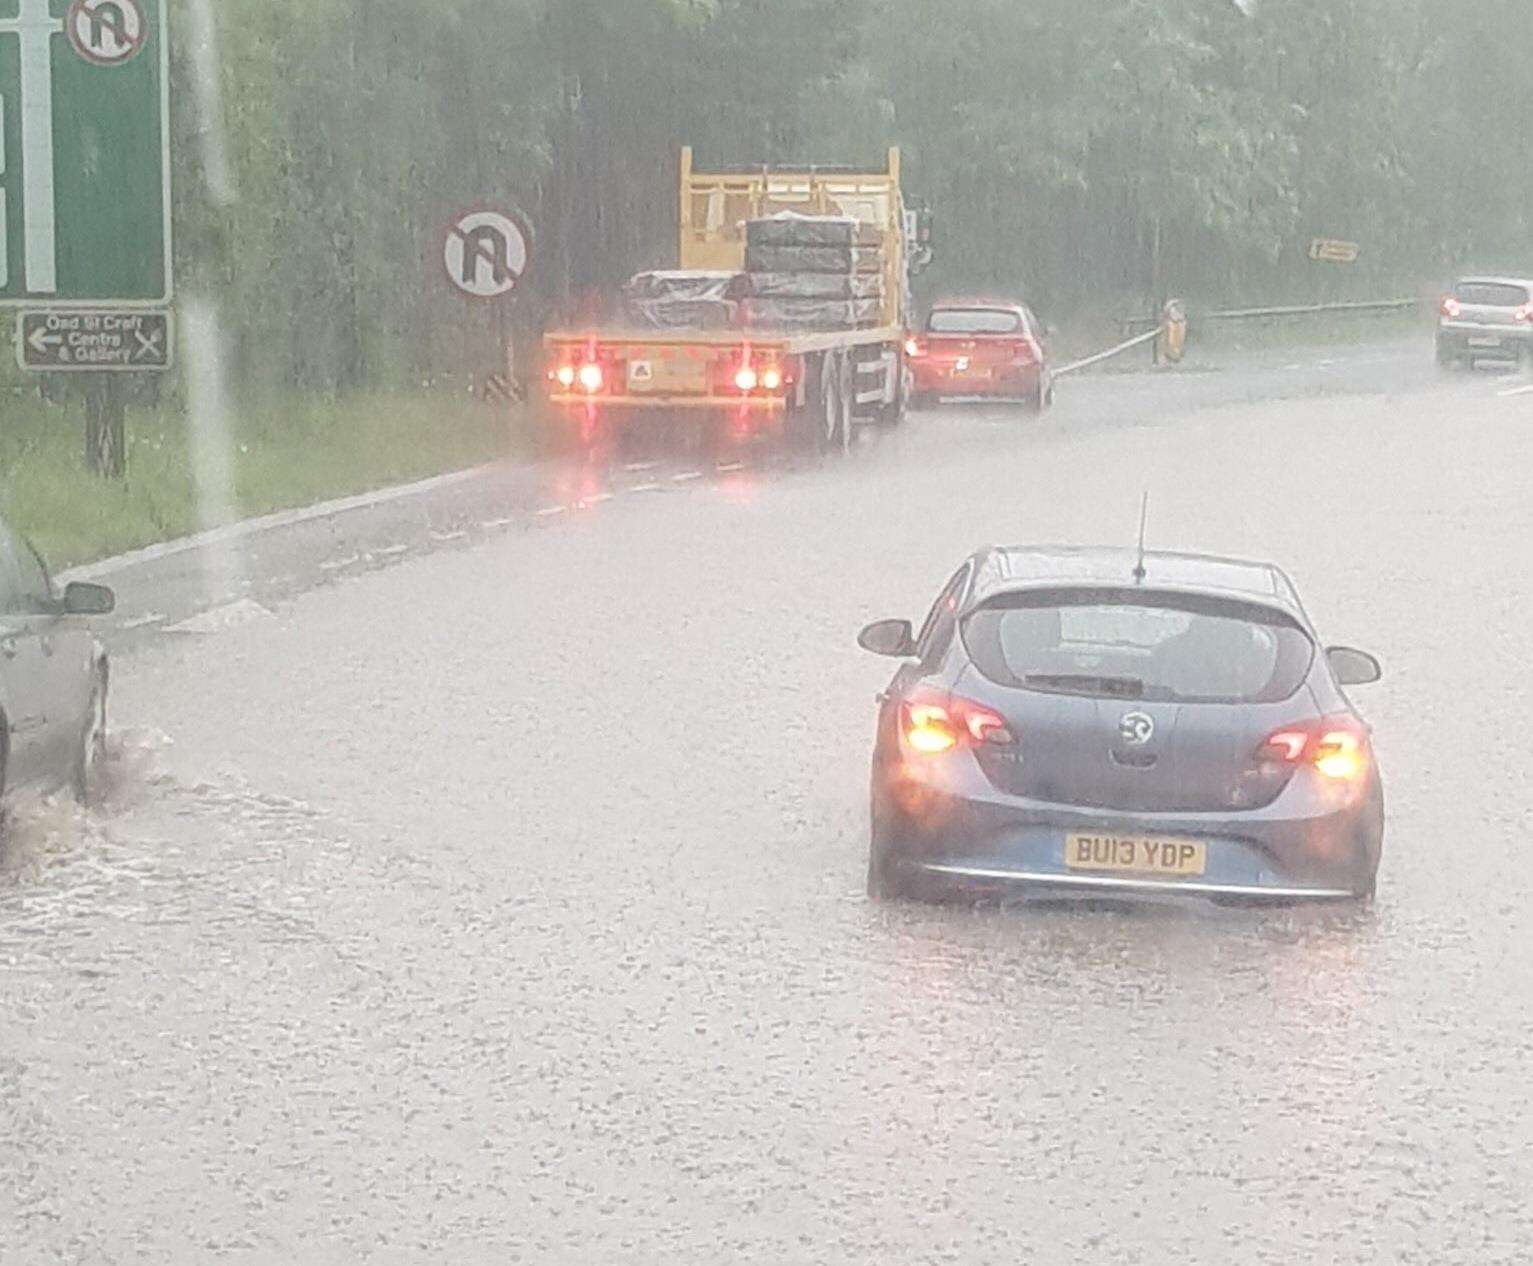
[486,251]
[107,32]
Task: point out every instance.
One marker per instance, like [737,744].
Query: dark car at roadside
[53,677]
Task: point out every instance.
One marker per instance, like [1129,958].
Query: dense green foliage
[1093,153]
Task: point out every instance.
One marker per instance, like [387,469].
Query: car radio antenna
[1144,518]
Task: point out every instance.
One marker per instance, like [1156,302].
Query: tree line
[1090,154]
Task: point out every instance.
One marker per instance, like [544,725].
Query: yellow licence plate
[1141,854]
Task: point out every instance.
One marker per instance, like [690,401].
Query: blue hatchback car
[1078,721]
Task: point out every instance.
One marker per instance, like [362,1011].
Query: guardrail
[1127,345]
[1303,309]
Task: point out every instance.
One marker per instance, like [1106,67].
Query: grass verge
[293,454]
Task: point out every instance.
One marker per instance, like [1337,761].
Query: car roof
[1005,569]
[969,305]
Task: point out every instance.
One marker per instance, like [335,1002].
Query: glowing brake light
[771,379]
[591,377]
[1452,307]
[934,728]
[747,378]
[912,347]
[1337,748]
[565,375]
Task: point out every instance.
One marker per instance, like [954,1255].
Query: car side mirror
[83,599]
[1353,668]
[893,638]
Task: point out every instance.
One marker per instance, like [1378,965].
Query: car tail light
[931,728]
[1524,313]
[591,377]
[746,378]
[1451,307]
[771,378]
[564,375]
[1336,747]
[913,348]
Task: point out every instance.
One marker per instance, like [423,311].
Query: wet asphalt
[500,898]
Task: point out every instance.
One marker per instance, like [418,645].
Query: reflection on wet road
[505,904]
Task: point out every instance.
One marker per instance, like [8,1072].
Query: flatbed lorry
[814,385]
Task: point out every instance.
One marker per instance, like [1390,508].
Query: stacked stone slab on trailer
[811,273]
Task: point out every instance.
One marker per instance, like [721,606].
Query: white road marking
[645,488]
[596,498]
[337,564]
[392,551]
[725,468]
[686,475]
[547,512]
[636,467]
[143,621]
[1517,391]
[444,537]
[489,524]
[218,619]
[269,523]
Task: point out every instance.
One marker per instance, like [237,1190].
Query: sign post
[85,250]
[1326,250]
[485,254]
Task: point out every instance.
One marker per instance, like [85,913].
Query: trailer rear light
[932,728]
[591,378]
[746,378]
[1451,307]
[771,379]
[565,375]
[1336,747]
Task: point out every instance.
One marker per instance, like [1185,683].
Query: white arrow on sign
[36,28]
[41,340]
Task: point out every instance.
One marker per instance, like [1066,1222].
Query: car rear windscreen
[973,321]
[1491,294]
[1137,645]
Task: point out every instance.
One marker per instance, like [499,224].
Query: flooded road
[506,904]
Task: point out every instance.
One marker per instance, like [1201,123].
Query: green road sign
[84,153]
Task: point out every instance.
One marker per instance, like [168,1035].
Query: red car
[997,350]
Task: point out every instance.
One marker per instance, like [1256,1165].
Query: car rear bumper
[1312,842]
[945,380]
[1474,338]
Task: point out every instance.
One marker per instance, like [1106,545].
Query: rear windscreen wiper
[1113,687]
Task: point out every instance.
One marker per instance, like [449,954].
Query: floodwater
[506,903]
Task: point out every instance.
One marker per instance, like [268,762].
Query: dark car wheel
[90,758]
[884,882]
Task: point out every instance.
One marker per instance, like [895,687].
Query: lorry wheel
[891,415]
[833,410]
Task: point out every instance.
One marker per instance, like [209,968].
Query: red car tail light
[1336,747]
[914,349]
[1524,313]
[1451,307]
[592,378]
[931,727]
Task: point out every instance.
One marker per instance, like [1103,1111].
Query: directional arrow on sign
[41,340]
